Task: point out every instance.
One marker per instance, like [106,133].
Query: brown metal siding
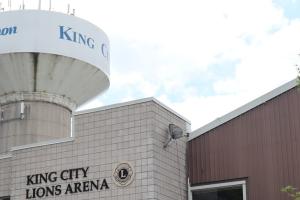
[261,146]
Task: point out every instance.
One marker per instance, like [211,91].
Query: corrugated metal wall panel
[261,145]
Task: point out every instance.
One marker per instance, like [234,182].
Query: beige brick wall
[169,163]
[132,132]
[5,176]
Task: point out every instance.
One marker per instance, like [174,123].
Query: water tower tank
[50,63]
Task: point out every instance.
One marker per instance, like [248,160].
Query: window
[219,191]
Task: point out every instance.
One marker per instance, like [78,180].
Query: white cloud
[189,36]
[158,46]
[204,109]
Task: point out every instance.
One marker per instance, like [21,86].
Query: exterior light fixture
[175,132]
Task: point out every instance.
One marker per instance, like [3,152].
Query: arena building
[50,63]
[250,153]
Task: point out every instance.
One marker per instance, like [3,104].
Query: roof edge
[138,101]
[44,143]
[243,109]
[5,156]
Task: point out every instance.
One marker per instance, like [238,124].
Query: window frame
[218,185]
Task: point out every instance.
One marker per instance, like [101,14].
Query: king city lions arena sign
[63,176]
[74,181]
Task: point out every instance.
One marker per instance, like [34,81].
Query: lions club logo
[123,174]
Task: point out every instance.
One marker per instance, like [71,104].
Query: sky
[202,58]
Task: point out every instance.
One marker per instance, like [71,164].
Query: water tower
[50,63]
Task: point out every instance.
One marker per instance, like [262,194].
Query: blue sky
[201,58]
[289,7]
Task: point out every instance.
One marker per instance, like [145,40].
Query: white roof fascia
[5,156]
[39,144]
[144,100]
[243,109]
